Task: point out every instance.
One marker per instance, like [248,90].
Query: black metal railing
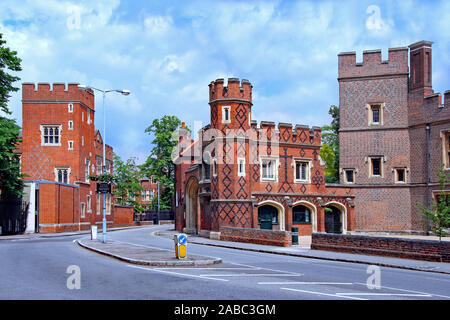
[13,216]
[152,215]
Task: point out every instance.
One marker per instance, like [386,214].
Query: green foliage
[126,179]
[159,163]
[8,60]
[329,151]
[438,216]
[11,184]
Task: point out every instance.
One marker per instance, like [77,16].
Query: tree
[11,184]
[438,216]
[159,163]
[329,151]
[126,179]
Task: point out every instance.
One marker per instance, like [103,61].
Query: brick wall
[123,216]
[430,250]
[267,237]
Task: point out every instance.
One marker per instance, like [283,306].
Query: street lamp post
[104,92]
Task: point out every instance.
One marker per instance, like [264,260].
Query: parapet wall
[235,90]
[56,91]
[372,64]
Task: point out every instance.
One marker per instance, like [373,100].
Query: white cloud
[167,55]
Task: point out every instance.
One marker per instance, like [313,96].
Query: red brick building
[254,183]
[150,190]
[394,135]
[60,149]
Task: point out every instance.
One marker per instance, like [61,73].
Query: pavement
[145,255]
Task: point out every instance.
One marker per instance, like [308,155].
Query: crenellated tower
[230,105]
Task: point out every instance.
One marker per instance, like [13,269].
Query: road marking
[412,291]
[175,273]
[314,283]
[382,294]
[322,294]
[250,275]
[194,268]
[262,268]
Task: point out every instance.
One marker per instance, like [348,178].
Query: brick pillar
[288,218]
[320,219]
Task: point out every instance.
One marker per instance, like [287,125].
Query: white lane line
[314,283]
[382,294]
[322,294]
[262,268]
[194,268]
[175,273]
[250,275]
[405,290]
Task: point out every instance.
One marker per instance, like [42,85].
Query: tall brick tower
[394,136]
[374,137]
[60,149]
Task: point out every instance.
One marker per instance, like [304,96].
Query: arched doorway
[304,212]
[335,218]
[191,206]
[270,214]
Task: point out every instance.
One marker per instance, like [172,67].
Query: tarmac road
[36,269]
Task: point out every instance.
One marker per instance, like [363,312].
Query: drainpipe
[428,198]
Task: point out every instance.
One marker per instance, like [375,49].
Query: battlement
[235,90]
[56,92]
[372,64]
[435,100]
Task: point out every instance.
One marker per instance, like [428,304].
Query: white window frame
[70,125]
[51,126]
[214,167]
[239,161]
[70,107]
[308,170]
[89,203]
[108,204]
[445,141]
[381,175]
[369,107]
[99,204]
[275,169]
[224,120]
[55,171]
[70,145]
[87,163]
[396,180]
[345,175]
[82,209]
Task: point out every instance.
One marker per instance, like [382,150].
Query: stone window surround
[275,168]
[229,114]
[344,173]
[241,174]
[57,168]
[445,147]
[308,170]
[395,170]
[43,126]
[369,113]
[369,160]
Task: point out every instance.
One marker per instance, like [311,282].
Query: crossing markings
[409,291]
[306,283]
[322,294]
[382,294]
[176,273]
[251,275]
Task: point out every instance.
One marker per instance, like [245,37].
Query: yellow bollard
[180,245]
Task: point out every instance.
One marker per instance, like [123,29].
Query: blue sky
[167,52]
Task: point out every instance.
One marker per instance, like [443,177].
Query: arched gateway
[192,207]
